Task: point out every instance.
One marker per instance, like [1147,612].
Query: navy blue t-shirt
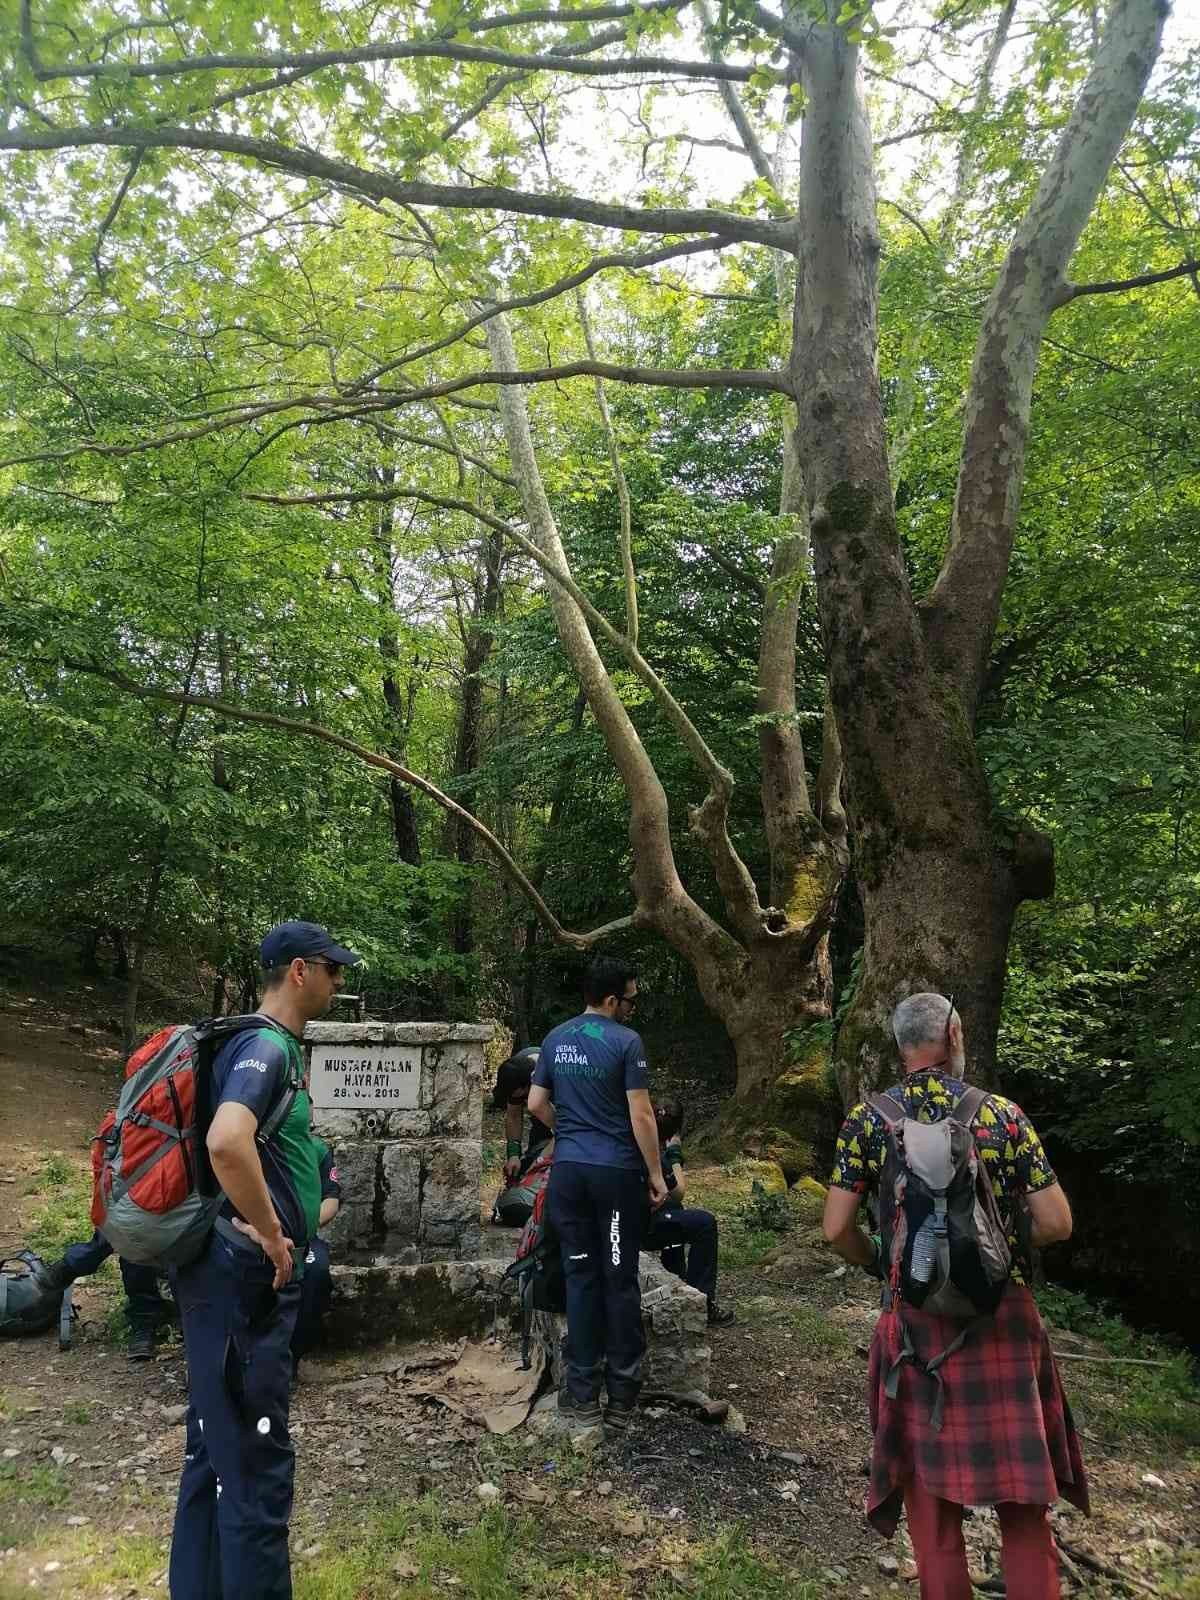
[252,1069]
[588,1065]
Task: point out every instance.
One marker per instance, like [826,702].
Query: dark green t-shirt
[251,1069]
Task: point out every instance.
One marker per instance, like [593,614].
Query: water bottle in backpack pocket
[945,1248]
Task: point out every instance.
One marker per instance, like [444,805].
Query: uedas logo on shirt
[252,1061]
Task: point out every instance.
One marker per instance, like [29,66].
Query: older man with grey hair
[962,1413]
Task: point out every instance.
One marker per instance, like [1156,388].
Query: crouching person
[239,1299]
[965,1400]
[685,1236]
[511,1095]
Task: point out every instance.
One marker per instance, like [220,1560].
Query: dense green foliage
[217,286]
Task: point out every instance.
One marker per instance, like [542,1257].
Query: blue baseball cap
[287,940]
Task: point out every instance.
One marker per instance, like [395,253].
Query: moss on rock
[791,1122]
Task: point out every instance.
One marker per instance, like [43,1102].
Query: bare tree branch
[371,758]
[381,186]
[482,197]
[460,455]
[110,216]
[913,221]
[344,409]
[497,86]
[983,93]
[1073,291]
[751,144]
[629,260]
[662,900]
[356,497]
[406,50]
[508,80]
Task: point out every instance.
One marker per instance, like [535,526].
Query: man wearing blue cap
[238,1301]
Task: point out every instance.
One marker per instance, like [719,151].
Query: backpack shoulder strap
[278,1114]
[889,1109]
[286,1099]
[212,1032]
[969,1104]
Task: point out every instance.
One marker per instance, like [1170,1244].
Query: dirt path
[57,1079]
[90,1446]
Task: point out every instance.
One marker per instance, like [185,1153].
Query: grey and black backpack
[944,1245]
[31,1296]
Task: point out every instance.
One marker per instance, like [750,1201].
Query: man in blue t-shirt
[239,1299]
[590,1086]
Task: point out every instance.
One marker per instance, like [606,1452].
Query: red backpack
[537,1268]
[153,1197]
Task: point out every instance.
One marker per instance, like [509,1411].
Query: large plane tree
[486,143]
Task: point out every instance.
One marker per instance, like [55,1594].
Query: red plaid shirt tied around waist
[1006,1430]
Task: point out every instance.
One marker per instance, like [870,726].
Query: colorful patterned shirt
[1008,1146]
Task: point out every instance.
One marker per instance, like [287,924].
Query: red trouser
[1027,1553]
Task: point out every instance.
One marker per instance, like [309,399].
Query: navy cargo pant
[235,1495]
[671,1229]
[145,1307]
[597,1212]
[316,1293]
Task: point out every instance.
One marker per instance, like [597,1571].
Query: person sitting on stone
[511,1095]
[685,1236]
[316,1286]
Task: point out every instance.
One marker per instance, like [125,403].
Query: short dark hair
[606,975]
[513,1074]
[668,1114]
[273,976]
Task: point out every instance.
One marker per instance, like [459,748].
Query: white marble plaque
[380,1076]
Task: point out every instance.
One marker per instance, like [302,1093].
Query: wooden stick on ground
[1110,1361]
[1126,1579]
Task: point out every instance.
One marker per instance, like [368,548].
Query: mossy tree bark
[940,875]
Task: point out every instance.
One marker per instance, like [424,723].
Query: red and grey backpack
[154,1198]
[537,1268]
[513,1206]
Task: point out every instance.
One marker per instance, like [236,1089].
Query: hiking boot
[719,1316]
[618,1414]
[141,1344]
[585,1413]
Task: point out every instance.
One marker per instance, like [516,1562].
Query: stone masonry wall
[678,1355]
[410,1177]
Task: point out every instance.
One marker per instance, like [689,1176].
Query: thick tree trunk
[776,994]
[940,875]
[937,917]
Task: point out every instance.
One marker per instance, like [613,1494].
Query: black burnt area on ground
[679,1464]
